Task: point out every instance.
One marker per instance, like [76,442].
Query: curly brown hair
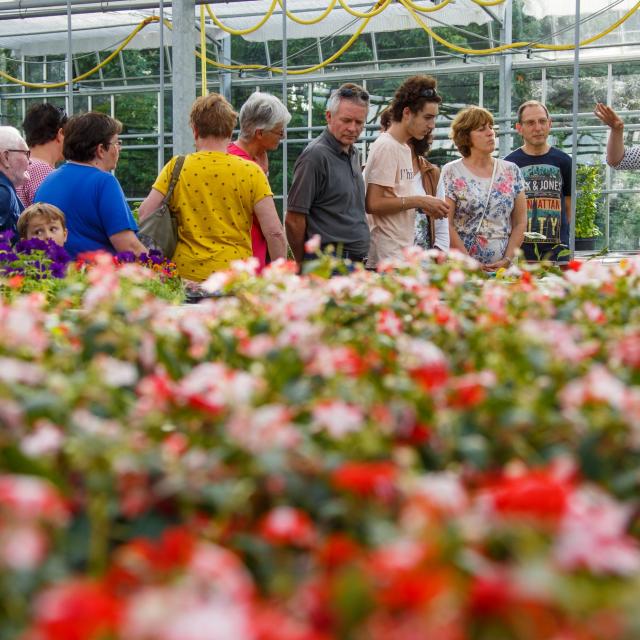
[413,93]
[464,123]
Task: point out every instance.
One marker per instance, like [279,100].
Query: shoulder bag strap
[486,202]
[175,174]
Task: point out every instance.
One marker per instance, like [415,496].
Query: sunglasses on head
[429,93]
[348,92]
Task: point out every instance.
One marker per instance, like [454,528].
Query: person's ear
[518,127]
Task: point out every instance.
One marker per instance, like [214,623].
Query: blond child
[43,221]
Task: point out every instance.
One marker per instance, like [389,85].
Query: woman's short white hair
[262,111]
[10,138]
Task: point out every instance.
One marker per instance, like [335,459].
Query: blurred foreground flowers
[420,453]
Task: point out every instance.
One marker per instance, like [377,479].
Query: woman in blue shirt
[97,214]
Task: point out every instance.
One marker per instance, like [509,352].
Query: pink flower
[29,498]
[22,547]
[264,428]
[312,245]
[288,526]
[594,536]
[388,323]
[337,417]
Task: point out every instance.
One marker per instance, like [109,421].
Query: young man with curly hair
[391,199]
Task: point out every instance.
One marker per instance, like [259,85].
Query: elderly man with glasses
[14,171]
[327,192]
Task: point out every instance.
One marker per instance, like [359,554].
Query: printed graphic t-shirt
[547,182]
[389,165]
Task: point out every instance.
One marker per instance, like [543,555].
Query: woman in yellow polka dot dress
[215,197]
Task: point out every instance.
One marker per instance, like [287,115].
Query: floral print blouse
[469,193]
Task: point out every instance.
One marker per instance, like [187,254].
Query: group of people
[477,204]
[224,205]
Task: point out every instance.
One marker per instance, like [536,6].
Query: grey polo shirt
[328,188]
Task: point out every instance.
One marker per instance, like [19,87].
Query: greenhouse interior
[308,449]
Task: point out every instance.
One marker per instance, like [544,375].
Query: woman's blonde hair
[464,123]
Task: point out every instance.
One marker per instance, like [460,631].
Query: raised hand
[608,116]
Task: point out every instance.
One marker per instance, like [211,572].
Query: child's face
[43,229]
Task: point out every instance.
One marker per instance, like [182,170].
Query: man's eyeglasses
[117,143]
[26,152]
[349,92]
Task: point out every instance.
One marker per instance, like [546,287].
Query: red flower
[288,526]
[490,595]
[412,589]
[574,265]
[77,610]
[537,493]
[366,478]
[431,375]
[337,550]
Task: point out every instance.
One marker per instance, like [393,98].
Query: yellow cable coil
[411,7]
[437,7]
[109,58]
[517,45]
[359,14]
[294,72]
[242,32]
[320,18]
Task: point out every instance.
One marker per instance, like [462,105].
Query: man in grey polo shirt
[327,192]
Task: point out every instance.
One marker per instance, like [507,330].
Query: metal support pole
[574,146]
[506,64]
[184,74]
[69,61]
[285,168]
[160,153]
[225,76]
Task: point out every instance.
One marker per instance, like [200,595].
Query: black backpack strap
[175,174]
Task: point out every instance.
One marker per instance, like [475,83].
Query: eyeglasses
[349,92]
[26,152]
[277,132]
[117,143]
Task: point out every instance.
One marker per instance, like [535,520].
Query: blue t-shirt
[10,205]
[547,181]
[93,203]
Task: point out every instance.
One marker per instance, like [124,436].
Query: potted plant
[589,182]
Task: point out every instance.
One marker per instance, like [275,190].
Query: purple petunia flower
[126,256]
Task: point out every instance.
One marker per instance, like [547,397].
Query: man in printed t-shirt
[547,175]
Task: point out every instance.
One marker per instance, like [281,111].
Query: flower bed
[423,453]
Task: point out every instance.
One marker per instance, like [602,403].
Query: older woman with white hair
[263,122]
[14,165]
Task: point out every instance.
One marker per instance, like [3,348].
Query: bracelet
[402,200]
[509,260]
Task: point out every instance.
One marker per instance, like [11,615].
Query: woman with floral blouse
[487,205]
